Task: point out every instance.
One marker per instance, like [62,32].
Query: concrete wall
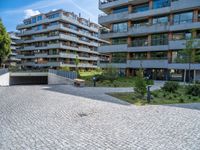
[55,79]
[5,79]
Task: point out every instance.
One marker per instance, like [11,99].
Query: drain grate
[83,115]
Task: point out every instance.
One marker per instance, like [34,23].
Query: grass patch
[159,97]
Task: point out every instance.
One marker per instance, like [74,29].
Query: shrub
[149,82]
[193,90]
[140,84]
[110,73]
[65,68]
[181,100]
[171,86]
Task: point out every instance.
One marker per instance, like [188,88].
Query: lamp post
[148,94]
[94,81]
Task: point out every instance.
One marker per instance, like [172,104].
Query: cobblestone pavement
[65,117]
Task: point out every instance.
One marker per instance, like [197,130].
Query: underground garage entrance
[28,78]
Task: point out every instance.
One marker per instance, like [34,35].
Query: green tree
[140,84]
[5,42]
[110,73]
[77,63]
[188,54]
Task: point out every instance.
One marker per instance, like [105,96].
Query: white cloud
[30,12]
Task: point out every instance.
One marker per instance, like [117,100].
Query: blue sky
[12,12]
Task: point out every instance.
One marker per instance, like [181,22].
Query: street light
[94,81]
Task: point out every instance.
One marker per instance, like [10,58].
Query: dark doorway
[28,80]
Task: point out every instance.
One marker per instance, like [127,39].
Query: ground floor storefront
[166,74]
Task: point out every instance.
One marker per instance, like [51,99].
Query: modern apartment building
[150,34]
[13,59]
[57,39]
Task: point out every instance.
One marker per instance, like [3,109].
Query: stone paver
[65,117]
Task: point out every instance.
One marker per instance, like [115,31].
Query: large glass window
[39,27]
[160,20]
[160,3]
[141,23]
[182,35]
[183,18]
[120,27]
[140,41]
[119,57]
[39,18]
[159,39]
[118,41]
[120,10]
[53,16]
[158,55]
[140,56]
[141,8]
[34,20]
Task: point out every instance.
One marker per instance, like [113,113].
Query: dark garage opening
[28,80]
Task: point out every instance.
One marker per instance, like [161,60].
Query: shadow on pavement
[88,92]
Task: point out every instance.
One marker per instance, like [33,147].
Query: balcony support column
[129,41]
[149,40]
[195,18]
[169,56]
[148,55]
[150,4]
[130,8]
[171,17]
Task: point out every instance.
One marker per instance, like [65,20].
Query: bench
[79,83]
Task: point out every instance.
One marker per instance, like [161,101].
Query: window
[159,39]
[120,27]
[120,10]
[160,3]
[158,55]
[119,57]
[160,20]
[119,41]
[34,20]
[182,35]
[39,18]
[26,22]
[53,23]
[139,56]
[39,27]
[73,27]
[183,18]
[140,41]
[140,8]
[53,16]
[141,23]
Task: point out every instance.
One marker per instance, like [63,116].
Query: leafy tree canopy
[5,43]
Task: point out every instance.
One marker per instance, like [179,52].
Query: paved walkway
[65,117]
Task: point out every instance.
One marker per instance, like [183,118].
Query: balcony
[184,4]
[179,44]
[112,34]
[112,48]
[48,64]
[147,63]
[185,26]
[148,29]
[105,4]
[111,18]
[115,65]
